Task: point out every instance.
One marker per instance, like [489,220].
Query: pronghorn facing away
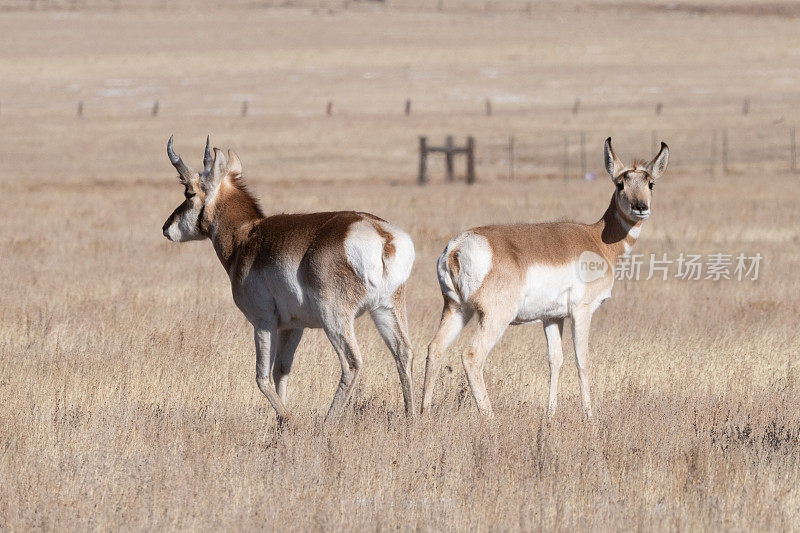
[290,272]
[521,273]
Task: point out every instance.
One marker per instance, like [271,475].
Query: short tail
[397,257]
[444,274]
[463,266]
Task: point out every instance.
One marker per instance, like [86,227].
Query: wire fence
[578,154]
[466,6]
[524,7]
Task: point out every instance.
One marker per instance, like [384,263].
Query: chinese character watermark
[689,267]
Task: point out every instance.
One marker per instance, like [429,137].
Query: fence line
[569,153]
[578,154]
[453,6]
[120,107]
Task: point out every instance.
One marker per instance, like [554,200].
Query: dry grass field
[127,391]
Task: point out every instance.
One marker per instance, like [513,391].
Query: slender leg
[553,329]
[454,318]
[489,332]
[581,322]
[392,325]
[287,345]
[266,347]
[343,339]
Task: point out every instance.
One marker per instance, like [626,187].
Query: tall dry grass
[129,400]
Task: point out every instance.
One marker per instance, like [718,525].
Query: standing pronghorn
[526,272]
[290,272]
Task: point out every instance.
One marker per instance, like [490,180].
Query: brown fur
[388,247]
[452,263]
[516,247]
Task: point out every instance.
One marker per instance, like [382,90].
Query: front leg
[581,322]
[266,338]
[288,340]
[553,328]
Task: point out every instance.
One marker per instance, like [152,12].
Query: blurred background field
[126,373]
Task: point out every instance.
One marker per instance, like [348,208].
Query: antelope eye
[188,195]
[650,185]
[620,186]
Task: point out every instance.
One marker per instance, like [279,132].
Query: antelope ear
[234,164]
[218,171]
[614,166]
[658,165]
[220,167]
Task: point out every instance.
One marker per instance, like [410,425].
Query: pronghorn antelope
[521,273]
[290,272]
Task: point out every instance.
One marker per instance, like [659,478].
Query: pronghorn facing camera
[522,273]
[290,272]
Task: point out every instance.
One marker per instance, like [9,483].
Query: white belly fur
[555,291]
[549,292]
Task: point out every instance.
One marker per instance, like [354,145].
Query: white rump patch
[364,249]
[382,274]
[474,258]
[397,267]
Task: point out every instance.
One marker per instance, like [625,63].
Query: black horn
[177,162]
[208,161]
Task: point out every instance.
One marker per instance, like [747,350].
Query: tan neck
[235,212]
[617,233]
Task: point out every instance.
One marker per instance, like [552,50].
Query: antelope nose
[164,229]
[640,206]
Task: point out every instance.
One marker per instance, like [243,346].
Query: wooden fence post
[154,110]
[329,108]
[79,111]
[244,108]
[511,158]
[423,159]
[746,106]
[448,157]
[725,151]
[408,106]
[659,107]
[470,160]
[583,155]
[576,106]
[488,107]
[712,169]
[793,148]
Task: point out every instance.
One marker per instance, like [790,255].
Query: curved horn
[208,160]
[176,161]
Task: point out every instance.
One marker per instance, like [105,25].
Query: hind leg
[454,318]
[491,328]
[340,333]
[393,327]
